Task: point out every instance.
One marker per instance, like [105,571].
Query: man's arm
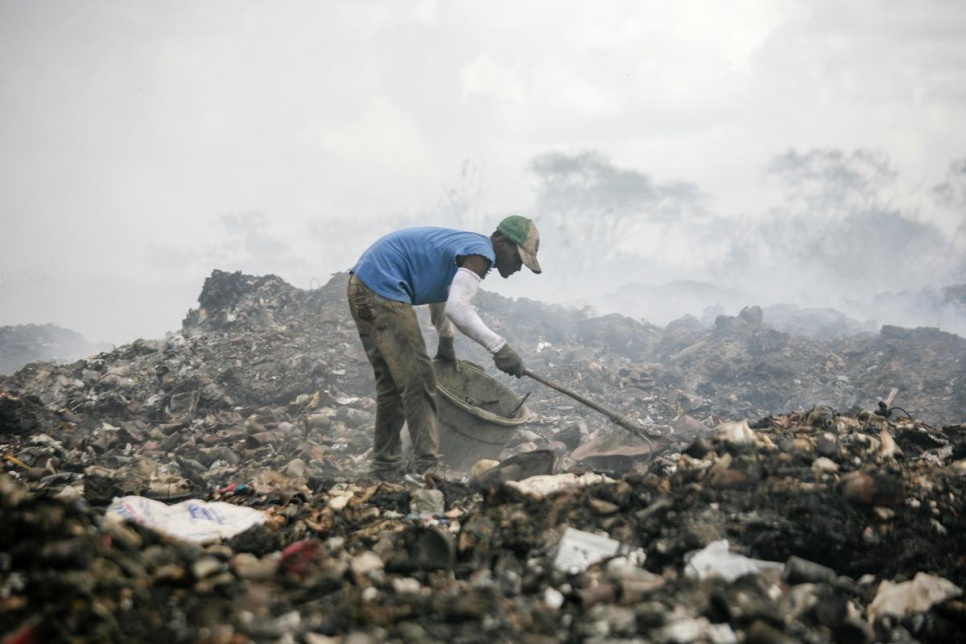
[459,309]
[446,348]
[445,330]
[465,284]
[437,313]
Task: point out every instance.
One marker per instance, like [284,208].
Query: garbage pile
[211,486]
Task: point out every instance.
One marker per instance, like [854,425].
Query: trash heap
[211,486]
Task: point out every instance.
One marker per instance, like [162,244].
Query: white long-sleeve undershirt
[460,311]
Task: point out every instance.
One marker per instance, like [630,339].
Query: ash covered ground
[793,489]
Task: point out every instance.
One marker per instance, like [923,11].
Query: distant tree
[838,220]
[951,195]
[831,184]
[592,209]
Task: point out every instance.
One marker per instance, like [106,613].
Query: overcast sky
[145,144]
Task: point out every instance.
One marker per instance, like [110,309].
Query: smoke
[598,213]
[620,240]
[950,195]
[838,237]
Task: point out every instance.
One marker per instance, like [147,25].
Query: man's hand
[445,351]
[507,361]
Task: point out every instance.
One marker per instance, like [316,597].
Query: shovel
[623,421]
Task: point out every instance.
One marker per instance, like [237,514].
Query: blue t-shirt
[417,265]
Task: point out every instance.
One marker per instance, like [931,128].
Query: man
[443,268]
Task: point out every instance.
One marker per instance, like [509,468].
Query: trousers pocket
[364,307]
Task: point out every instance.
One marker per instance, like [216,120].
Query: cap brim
[529,260]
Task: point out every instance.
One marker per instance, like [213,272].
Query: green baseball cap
[523,232]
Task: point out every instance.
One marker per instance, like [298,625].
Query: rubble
[782,502]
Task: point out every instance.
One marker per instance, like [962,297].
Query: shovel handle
[553,385]
[623,421]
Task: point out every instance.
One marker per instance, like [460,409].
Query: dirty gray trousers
[405,379]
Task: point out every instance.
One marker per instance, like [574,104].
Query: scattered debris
[769,453]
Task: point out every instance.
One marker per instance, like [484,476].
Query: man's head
[522,232]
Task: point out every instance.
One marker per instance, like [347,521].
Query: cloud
[362,143]
[132,130]
[488,78]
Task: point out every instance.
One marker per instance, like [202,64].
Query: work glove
[507,361]
[445,351]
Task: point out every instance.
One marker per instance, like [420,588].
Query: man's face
[508,259]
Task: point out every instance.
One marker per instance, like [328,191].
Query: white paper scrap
[716,560]
[579,550]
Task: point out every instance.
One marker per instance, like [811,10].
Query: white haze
[782,150]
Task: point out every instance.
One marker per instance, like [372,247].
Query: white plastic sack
[715,560]
[193,520]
